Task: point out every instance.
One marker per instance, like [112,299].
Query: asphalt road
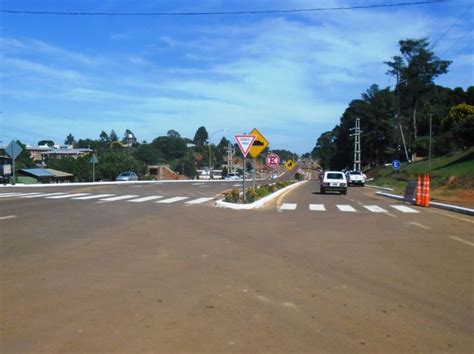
[307,273]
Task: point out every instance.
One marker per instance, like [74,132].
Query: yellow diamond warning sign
[259,144]
[290,165]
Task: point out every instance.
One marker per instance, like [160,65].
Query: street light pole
[210,139]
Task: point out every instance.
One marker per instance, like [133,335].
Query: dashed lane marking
[145,199]
[421,226]
[345,208]
[288,206]
[97,196]
[199,200]
[462,240]
[317,207]
[171,200]
[375,209]
[68,196]
[120,197]
[404,209]
[7,217]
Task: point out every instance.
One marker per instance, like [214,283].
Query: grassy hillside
[452,176]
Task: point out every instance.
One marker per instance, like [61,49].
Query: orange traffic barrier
[427,194]
[423,190]
[418,200]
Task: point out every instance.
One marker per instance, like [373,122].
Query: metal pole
[244,184]
[93,170]
[254,173]
[14,174]
[209,159]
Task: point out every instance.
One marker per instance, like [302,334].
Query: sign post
[245,142]
[13,150]
[93,162]
[396,164]
[273,161]
[256,149]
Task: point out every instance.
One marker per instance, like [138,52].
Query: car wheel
[322,191]
[344,192]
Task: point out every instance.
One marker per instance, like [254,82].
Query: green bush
[233,196]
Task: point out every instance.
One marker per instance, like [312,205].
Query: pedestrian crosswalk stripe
[288,206]
[317,207]
[12,195]
[375,209]
[171,200]
[97,196]
[67,195]
[404,209]
[120,197]
[41,195]
[199,200]
[345,207]
[145,199]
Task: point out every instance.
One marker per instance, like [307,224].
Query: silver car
[127,176]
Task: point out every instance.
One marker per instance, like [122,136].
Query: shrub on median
[253,194]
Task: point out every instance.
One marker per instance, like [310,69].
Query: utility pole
[230,154]
[399,115]
[357,152]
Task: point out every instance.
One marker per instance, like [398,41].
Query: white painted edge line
[462,240]
[450,207]
[377,187]
[7,217]
[317,207]
[288,206]
[259,203]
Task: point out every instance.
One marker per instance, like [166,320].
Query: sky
[290,75]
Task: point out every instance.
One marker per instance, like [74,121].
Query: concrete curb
[47,185]
[377,187]
[454,208]
[257,204]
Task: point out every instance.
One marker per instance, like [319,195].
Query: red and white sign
[245,142]
[272,160]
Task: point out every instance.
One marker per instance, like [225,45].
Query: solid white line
[317,207]
[344,207]
[404,209]
[41,195]
[67,195]
[171,200]
[145,199]
[120,197]
[97,196]
[199,200]
[375,209]
[462,240]
[288,206]
[7,217]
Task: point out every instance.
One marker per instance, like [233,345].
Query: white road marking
[375,209]
[7,217]
[404,209]
[236,185]
[97,196]
[344,207]
[288,206]
[145,199]
[199,200]
[41,195]
[419,225]
[197,184]
[317,207]
[462,240]
[120,197]
[67,196]
[12,195]
[171,200]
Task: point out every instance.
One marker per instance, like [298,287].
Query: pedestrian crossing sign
[290,165]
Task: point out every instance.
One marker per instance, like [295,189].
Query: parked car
[355,178]
[232,176]
[334,181]
[127,176]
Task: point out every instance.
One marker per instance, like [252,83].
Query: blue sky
[289,75]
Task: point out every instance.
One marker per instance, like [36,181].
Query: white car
[232,176]
[127,176]
[334,181]
[355,178]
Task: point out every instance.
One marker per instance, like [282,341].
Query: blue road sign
[13,150]
[396,164]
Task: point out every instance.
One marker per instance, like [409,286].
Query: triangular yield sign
[245,142]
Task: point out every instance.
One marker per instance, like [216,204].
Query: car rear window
[335,175]
[356,173]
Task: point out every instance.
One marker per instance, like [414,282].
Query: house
[46,175]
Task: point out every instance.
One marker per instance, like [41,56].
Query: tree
[173,134]
[113,136]
[201,136]
[148,154]
[417,68]
[70,140]
[324,149]
[129,138]
[170,148]
[459,126]
[23,160]
[113,162]
[49,143]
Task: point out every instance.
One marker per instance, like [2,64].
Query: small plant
[232,196]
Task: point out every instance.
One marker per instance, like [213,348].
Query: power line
[213,13]
[451,27]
